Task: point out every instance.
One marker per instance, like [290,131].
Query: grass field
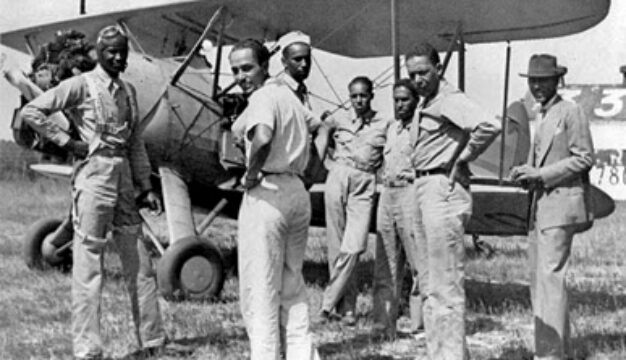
[35,316]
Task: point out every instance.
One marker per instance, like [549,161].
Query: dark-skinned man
[296,59]
[349,196]
[103,109]
[557,173]
[448,131]
[275,211]
[395,240]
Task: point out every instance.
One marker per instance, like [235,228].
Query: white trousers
[273,228]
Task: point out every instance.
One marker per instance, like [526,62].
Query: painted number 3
[612,98]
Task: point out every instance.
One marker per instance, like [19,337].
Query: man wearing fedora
[557,176]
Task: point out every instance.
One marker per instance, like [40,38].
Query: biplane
[185,113]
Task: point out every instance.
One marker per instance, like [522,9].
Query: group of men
[424,204]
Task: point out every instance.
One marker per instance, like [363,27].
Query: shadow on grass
[316,272]
[184,347]
[514,353]
[599,301]
[482,324]
[584,346]
[489,250]
[496,298]
[350,346]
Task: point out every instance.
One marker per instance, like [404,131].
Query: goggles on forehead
[111,32]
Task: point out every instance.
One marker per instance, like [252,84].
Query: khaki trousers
[442,211]
[395,243]
[348,199]
[104,201]
[273,228]
[549,252]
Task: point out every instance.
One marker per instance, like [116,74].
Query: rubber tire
[170,268]
[32,242]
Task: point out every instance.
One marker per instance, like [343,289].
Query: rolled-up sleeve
[260,111]
[470,117]
[37,113]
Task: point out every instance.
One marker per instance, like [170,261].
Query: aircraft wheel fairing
[39,248]
[192,268]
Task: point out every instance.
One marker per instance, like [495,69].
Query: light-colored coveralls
[395,242]
[563,152]
[348,198]
[447,127]
[104,112]
[273,228]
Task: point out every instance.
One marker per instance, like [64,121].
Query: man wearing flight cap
[557,173]
[296,58]
[104,110]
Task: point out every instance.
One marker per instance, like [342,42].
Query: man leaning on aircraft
[349,197]
[557,173]
[103,108]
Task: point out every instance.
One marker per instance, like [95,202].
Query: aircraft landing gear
[48,244]
[191,269]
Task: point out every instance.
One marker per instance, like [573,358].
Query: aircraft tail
[517,145]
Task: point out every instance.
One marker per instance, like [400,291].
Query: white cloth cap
[292,38]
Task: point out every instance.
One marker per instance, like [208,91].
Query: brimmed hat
[292,38]
[544,65]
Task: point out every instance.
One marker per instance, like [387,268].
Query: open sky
[593,56]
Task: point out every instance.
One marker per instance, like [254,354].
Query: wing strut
[179,72]
[134,41]
[394,40]
[218,57]
[507,67]
[450,50]
[461,51]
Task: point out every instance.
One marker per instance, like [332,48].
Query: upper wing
[358,28]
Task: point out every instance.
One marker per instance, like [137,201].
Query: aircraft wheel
[40,252]
[191,269]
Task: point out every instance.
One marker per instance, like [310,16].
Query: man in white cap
[296,51]
[104,111]
[557,173]
[296,58]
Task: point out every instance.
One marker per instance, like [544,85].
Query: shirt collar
[544,108]
[443,89]
[106,79]
[402,125]
[290,81]
[367,118]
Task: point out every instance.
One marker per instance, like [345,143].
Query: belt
[110,152]
[268,173]
[435,171]
[397,182]
[356,165]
